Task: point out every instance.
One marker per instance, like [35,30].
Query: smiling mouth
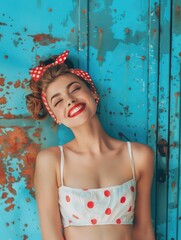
[77,109]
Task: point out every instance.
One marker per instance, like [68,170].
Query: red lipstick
[76,109]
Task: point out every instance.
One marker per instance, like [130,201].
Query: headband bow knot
[38,71]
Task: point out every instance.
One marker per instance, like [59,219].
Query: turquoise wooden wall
[132,49]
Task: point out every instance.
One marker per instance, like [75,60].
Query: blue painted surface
[132,53]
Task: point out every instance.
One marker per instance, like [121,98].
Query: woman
[95,187]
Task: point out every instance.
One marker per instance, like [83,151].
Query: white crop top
[108,205]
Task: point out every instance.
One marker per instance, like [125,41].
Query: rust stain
[29,162]
[17,144]
[174,145]
[157,10]
[11,179]
[17,84]
[162,147]
[23,84]
[100,58]
[2,172]
[173,185]
[12,116]
[13,141]
[45,39]
[2,81]
[25,237]
[37,132]
[11,189]
[128,58]
[84,11]
[143,58]
[11,169]
[127,30]
[50,9]
[11,207]
[4,195]
[177,94]
[153,127]
[10,200]
[3,100]
[72,30]
[177,8]
[100,39]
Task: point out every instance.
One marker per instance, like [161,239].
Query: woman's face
[71,101]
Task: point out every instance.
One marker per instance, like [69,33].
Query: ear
[96,97]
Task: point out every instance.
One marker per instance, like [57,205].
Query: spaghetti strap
[61,163]
[131,159]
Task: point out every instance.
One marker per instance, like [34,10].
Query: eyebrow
[67,87]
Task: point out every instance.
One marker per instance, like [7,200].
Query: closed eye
[59,101]
[76,89]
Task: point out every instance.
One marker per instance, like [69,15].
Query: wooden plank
[83,13]
[174,208]
[163,120]
[152,92]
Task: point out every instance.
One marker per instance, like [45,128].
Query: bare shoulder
[142,150]
[143,157]
[47,159]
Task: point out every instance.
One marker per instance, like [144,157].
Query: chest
[109,169]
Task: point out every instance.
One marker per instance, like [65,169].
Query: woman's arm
[144,165]
[46,192]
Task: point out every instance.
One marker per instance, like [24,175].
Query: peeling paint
[162,147]
[2,81]
[45,39]
[3,100]
[17,144]
[177,20]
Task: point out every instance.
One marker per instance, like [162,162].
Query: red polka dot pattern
[108,211]
[67,198]
[37,72]
[90,204]
[93,221]
[122,200]
[114,205]
[107,193]
[118,221]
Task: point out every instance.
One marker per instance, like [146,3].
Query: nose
[70,101]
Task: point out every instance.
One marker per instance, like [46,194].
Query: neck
[91,136]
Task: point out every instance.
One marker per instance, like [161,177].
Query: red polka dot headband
[37,72]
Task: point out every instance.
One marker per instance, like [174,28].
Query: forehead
[61,83]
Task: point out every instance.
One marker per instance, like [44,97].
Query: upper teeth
[76,109]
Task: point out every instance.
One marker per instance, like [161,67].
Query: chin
[79,121]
